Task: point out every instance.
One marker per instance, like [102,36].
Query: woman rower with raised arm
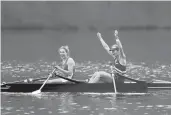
[119,62]
[67,67]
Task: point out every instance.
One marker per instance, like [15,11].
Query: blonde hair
[66,48]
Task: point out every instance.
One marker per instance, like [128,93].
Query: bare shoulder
[71,61]
[123,61]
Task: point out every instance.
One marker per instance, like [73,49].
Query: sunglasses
[113,49]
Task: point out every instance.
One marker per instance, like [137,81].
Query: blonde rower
[67,67]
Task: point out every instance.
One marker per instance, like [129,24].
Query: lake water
[21,51]
[153,103]
[86,104]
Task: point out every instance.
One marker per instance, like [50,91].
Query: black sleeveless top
[65,66]
[119,67]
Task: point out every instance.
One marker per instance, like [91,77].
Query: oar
[128,78]
[39,90]
[31,80]
[4,83]
[113,78]
[71,80]
[131,79]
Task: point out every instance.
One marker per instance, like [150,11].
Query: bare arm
[106,47]
[70,70]
[118,42]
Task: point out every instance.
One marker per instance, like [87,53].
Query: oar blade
[36,92]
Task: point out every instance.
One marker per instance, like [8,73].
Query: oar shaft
[114,83]
[36,79]
[138,81]
[113,78]
[71,80]
[47,79]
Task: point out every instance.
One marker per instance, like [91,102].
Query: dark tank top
[65,67]
[119,67]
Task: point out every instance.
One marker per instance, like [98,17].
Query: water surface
[86,104]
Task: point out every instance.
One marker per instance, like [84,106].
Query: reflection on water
[85,103]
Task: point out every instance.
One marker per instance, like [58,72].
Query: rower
[119,65]
[67,67]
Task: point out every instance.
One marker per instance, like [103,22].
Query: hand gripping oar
[39,90]
[113,78]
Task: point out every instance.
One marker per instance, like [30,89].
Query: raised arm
[118,42]
[106,47]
